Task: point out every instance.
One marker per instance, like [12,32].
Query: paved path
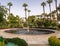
[30,39]
[38,45]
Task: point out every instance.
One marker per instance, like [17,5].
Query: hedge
[53,41]
[19,42]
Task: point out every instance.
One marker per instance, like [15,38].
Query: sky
[33,5]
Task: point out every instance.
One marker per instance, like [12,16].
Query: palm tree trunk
[56,9]
[44,13]
[25,14]
[50,11]
[9,10]
[27,19]
[56,3]
[28,14]
[43,10]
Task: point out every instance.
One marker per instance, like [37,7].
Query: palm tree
[43,4]
[25,5]
[56,7]
[56,4]
[28,18]
[9,4]
[29,12]
[49,2]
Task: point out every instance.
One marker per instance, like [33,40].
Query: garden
[43,20]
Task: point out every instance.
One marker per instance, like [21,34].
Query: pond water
[31,31]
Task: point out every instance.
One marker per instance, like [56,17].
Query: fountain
[28,30]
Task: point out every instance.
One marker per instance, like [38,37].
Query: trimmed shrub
[19,42]
[2,41]
[53,41]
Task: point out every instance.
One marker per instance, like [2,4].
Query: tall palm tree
[25,5]
[49,2]
[28,17]
[29,12]
[9,4]
[56,8]
[56,4]
[43,4]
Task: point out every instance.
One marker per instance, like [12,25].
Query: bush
[19,42]
[59,25]
[53,41]
[2,41]
[47,23]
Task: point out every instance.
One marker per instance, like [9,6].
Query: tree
[58,8]
[53,15]
[31,21]
[3,12]
[39,22]
[9,4]
[29,12]
[49,2]
[14,21]
[19,21]
[44,16]
[43,4]
[25,5]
